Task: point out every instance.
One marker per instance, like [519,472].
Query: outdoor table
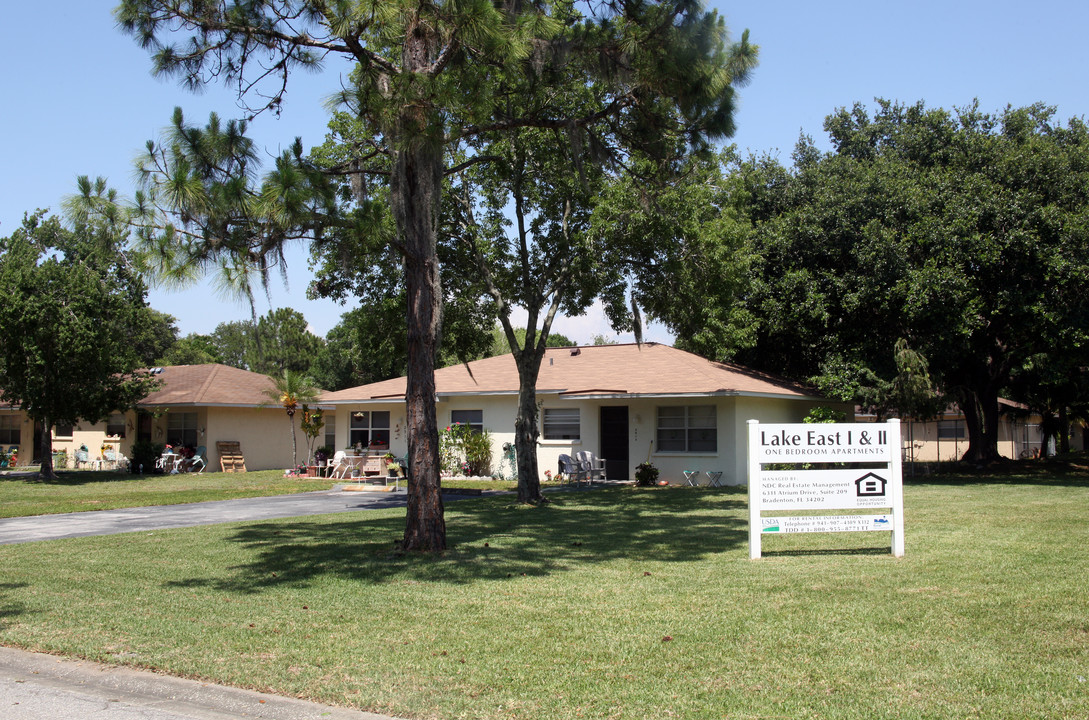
[170,462]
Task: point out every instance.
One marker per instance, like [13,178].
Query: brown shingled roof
[650,369]
[210,384]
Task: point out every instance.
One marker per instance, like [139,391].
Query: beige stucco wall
[499,414]
[26,435]
[264,434]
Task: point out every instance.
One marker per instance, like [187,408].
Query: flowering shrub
[464,452]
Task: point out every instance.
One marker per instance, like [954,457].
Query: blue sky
[78,98]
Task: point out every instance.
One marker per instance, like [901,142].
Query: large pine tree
[431,77]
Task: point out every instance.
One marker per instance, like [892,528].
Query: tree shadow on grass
[493,539]
[1070,470]
[8,608]
[70,478]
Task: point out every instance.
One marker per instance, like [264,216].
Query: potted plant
[646,474]
[393,469]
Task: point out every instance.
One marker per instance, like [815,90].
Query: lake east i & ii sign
[879,485]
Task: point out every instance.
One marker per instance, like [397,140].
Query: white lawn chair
[340,464]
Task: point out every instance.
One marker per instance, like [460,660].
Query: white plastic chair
[339,464]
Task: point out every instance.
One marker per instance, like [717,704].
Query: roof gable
[210,384]
[600,370]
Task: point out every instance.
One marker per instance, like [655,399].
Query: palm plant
[290,390]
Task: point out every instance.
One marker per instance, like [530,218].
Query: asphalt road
[106,522]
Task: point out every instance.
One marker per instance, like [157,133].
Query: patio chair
[592,466]
[340,464]
[572,469]
[198,459]
[83,457]
[122,461]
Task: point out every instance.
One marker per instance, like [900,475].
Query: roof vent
[156,371]
[576,351]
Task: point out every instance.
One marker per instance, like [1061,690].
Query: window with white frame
[10,430]
[330,428]
[688,428]
[473,418]
[561,424]
[181,429]
[369,428]
[64,430]
[115,426]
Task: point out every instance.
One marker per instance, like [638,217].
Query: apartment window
[369,428]
[473,418]
[951,430]
[330,429]
[63,430]
[688,428]
[10,426]
[561,424]
[181,429]
[115,426]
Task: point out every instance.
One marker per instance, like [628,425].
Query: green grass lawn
[618,603]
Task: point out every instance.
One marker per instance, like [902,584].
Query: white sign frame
[839,489]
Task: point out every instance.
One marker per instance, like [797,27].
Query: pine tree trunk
[416,187]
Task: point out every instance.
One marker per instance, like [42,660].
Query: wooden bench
[230,457]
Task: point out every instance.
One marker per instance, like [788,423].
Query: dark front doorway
[614,442]
[144,423]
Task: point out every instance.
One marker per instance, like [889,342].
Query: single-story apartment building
[945,437]
[627,404]
[196,405]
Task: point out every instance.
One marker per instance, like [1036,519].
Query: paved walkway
[34,686]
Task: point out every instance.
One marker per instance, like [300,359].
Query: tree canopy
[72,309]
[960,236]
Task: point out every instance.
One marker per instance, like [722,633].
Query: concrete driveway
[34,686]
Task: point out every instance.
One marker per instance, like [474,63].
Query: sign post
[879,485]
